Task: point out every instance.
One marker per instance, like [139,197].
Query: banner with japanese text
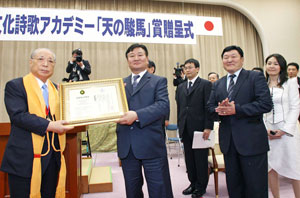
[39,24]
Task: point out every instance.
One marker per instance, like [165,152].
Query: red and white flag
[208,26]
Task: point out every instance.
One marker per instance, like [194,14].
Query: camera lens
[78,58]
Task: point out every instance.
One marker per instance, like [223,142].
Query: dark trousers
[156,173]
[19,187]
[196,161]
[246,176]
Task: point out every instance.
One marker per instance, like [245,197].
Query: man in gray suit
[140,136]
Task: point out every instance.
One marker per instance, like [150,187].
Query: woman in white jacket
[281,123]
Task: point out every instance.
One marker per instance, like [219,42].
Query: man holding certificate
[33,157]
[140,137]
[192,115]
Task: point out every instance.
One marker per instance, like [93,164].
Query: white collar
[41,83]
[193,80]
[141,75]
[237,73]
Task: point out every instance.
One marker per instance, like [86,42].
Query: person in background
[192,115]
[33,157]
[78,68]
[281,123]
[213,77]
[258,69]
[240,99]
[151,67]
[292,70]
[140,137]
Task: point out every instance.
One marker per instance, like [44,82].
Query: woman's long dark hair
[283,68]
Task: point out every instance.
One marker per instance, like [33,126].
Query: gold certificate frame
[92,102]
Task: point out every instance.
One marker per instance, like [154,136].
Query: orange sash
[36,105]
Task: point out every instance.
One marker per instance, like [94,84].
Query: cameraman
[179,75]
[78,68]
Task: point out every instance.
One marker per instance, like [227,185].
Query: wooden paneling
[72,157]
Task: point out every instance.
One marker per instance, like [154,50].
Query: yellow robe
[36,105]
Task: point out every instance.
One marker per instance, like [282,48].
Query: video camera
[178,71]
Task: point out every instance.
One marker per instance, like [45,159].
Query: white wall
[277,22]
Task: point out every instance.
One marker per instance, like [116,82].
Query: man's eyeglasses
[42,59]
[188,68]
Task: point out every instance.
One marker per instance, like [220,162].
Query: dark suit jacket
[191,108]
[298,79]
[84,72]
[252,99]
[151,103]
[18,155]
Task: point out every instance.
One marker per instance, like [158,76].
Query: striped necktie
[231,86]
[135,82]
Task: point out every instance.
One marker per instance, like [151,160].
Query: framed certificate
[91,102]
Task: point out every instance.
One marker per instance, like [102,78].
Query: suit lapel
[128,85]
[196,84]
[146,77]
[185,90]
[223,87]
[241,79]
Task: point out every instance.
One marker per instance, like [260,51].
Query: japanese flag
[208,26]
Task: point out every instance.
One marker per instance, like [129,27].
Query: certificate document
[90,102]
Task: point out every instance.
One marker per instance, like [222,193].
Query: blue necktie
[134,84]
[45,94]
[231,86]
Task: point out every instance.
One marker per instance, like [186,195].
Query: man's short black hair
[213,73]
[152,64]
[136,45]
[294,64]
[191,60]
[258,69]
[233,47]
[77,51]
